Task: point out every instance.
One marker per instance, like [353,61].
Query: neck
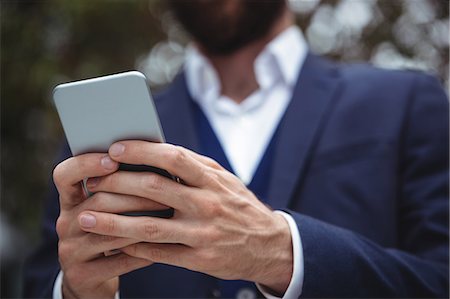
[236,71]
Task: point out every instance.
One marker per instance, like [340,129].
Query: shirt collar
[281,59]
[289,51]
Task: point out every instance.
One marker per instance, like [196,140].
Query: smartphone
[97,112]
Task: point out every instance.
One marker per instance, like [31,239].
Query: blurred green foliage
[44,43]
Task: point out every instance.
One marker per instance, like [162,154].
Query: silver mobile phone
[97,112]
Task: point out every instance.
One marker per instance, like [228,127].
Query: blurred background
[47,42]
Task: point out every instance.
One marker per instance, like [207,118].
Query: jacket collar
[301,127]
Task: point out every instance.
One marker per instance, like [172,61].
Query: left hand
[219,227]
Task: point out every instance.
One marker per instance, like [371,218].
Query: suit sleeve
[42,266]
[341,263]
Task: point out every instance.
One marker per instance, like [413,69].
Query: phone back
[98,112]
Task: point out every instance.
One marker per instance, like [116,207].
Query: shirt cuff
[57,288]
[294,289]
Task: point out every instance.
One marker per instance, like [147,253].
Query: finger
[98,244]
[205,160]
[170,254]
[105,268]
[120,203]
[175,159]
[147,229]
[93,246]
[147,185]
[68,174]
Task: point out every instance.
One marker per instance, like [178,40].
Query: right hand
[87,271]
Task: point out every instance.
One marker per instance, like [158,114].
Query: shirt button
[216,293]
[246,293]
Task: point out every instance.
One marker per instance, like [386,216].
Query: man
[355,157]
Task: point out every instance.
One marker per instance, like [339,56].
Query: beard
[223,26]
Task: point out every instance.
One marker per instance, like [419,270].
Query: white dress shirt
[246,129]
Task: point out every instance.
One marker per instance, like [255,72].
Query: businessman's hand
[88,273]
[219,226]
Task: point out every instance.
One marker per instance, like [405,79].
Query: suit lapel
[175,109]
[300,128]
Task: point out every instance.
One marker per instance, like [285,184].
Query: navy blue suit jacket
[361,163]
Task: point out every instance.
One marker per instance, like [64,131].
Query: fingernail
[107,163]
[87,221]
[92,182]
[116,149]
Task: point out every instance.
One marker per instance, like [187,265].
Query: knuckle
[110,225]
[58,173]
[177,155]
[61,226]
[216,177]
[213,163]
[211,177]
[151,231]
[232,179]
[81,164]
[206,175]
[151,181]
[111,180]
[97,201]
[156,254]
[64,250]
[124,261]
[241,203]
[133,250]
